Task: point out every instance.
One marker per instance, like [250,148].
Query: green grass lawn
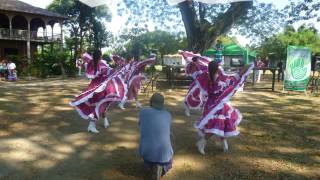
[42,137]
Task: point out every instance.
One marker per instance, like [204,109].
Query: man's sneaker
[138,104]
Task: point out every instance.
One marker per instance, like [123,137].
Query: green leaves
[277,44]
[207,21]
[85,24]
[303,10]
[142,42]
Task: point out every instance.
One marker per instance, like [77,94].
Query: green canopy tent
[233,52]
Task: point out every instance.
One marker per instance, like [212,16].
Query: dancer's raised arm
[187,55]
[120,61]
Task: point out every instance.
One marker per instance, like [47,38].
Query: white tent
[94,3]
[175,2]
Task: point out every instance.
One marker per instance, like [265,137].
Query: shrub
[52,63]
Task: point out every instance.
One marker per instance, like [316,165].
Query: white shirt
[79,63]
[11,66]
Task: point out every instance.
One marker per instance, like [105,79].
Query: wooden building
[23,27]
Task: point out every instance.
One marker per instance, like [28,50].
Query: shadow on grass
[43,138]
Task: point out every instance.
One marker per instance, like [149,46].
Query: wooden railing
[4,33]
[17,34]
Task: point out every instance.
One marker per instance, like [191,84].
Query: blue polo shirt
[155,142]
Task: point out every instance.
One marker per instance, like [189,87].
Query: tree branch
[202,12]
[190,20]
[226,20]
[201,33]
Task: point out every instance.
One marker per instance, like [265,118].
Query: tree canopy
[85,24]
[276,46]
[303,10]
[139,42]
[203,23]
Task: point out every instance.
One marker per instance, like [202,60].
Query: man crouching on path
[155,143]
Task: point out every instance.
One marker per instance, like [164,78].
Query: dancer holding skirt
[219,117]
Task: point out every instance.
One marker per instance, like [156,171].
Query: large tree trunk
[82,31]
[161,57]
[63,71]
[201,34]
[189,19]
[76,43]
[81,40]
[75,39]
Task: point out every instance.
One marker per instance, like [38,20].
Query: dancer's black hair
[96,57]
[107,58]
[213,69]
[195,59]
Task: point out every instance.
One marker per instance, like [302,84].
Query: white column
[10,25]
[28,42]
[52,31]
[61,34]
[44,32]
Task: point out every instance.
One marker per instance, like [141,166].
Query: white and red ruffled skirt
[134,86]
[93,101]
[195,98]
[224,122]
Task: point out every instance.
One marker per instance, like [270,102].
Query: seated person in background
[3,69]
[155,142]
[12,73]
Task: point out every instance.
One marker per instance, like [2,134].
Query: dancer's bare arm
[244,69]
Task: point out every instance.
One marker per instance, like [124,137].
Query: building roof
[18,6]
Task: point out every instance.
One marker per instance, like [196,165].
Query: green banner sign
[298,68]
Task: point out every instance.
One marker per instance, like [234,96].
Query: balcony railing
[4,32]
[17,34]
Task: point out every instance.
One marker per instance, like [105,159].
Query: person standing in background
[266,63]
[219,56]
[79,64]
[280,70]
[12,73]
[259,64]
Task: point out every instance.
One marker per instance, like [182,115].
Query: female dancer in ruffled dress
[121,63]
[133,78]
[219,117]
[197,65]
[105,88]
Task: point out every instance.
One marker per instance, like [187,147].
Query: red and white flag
[175,2]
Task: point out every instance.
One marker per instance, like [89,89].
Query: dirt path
[41,137]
